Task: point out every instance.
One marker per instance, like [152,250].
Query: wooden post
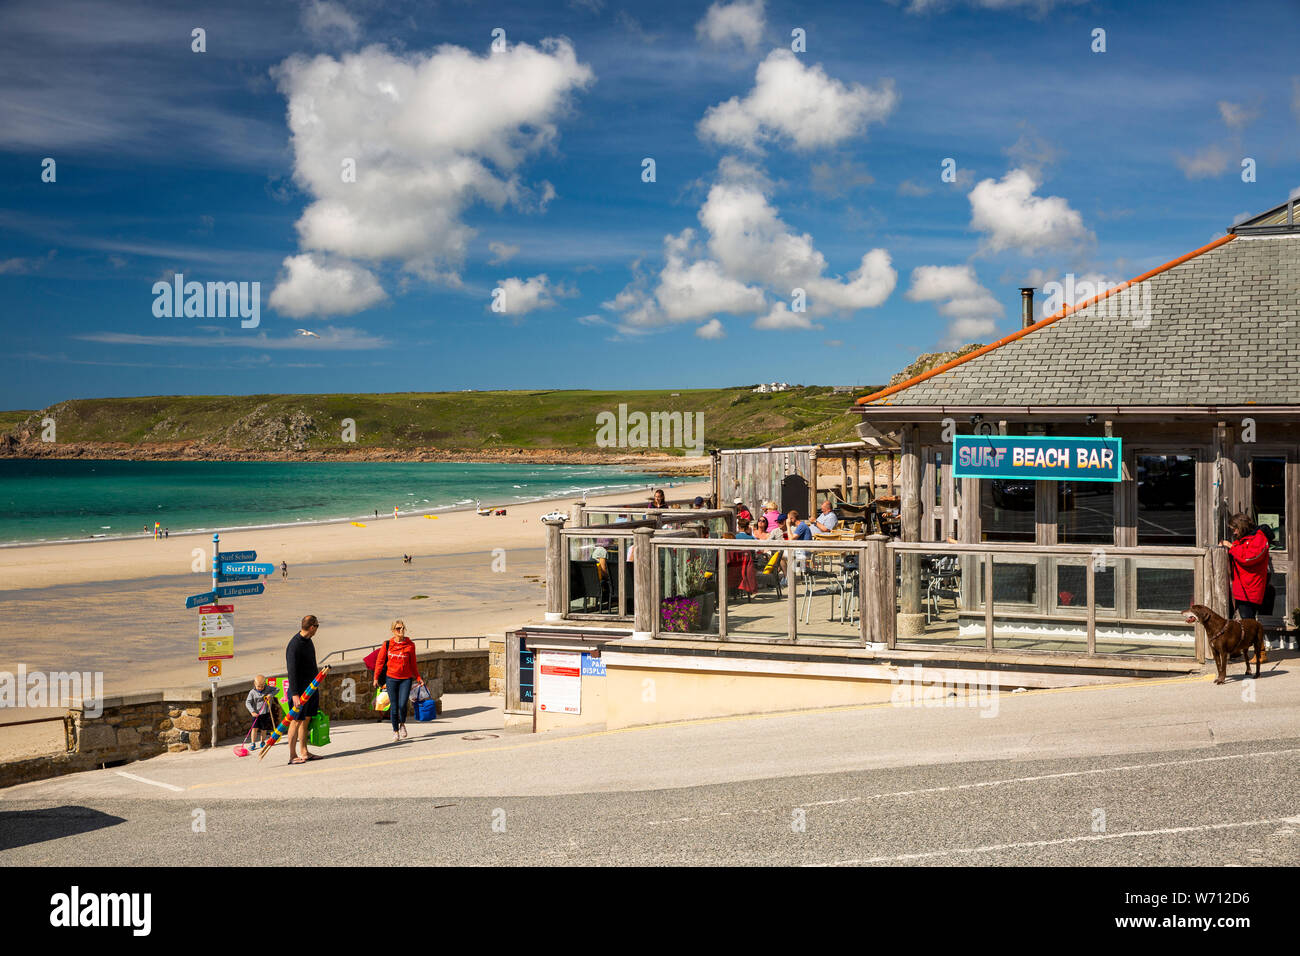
[872,466]
[643,576]
[876,576]
[857,476]
[576,514]
[792,596]
[911,620]
[844,470]
[812,484]
[893,475]
[555,596]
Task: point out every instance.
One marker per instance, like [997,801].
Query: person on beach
[284,569]
[397,660]
[300,664]
[258,703]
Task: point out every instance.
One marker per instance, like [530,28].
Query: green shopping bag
[318,731]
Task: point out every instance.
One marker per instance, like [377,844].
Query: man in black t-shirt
[300,663]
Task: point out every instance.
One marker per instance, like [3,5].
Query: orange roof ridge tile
[1042,323]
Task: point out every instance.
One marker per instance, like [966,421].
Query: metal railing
[344,652]
[1088,600]
[1078,600]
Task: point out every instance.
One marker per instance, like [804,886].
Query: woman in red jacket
[1248,550]
[397,658]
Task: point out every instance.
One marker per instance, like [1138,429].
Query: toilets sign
[1037,458]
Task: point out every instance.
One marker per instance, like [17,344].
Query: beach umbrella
[293,713]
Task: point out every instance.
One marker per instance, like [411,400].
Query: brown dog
[1228,638]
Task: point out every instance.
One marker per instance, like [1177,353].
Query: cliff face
[931,360]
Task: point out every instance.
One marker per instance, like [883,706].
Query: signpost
[246,567]
[195,600]
[217,621]
[217,632]
[1038,458]
[559,681]
[239,590]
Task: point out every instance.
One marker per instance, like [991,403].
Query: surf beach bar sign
[1035,457]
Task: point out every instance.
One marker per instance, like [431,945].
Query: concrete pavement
[1175,771]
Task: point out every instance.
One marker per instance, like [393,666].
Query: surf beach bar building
[1063,492]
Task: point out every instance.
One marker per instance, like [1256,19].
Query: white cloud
[781,317]
[1012,217]
[430,134]
[972,309]
[749,252]
[751,242]
[522,296]
[328,22]
[726,22]
[312,287]
[1205,163]
[798,103]
[711,329]
[686,290]
[501,253]
[1236,116]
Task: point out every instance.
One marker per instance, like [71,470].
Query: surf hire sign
[1037,458]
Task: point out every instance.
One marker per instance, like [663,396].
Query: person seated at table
[698,502]
[798,530]
[771,514]
[827,520]
[657,500]
[742,530]
[741,510]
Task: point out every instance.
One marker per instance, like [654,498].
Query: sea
[55,500]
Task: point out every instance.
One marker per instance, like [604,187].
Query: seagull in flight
[307,332]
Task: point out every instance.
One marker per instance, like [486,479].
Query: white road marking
[1089,838]
[155,783]
[992,783]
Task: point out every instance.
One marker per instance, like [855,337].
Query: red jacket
[1249,567]
[400,658]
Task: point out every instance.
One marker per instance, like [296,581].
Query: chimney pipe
[1026,306]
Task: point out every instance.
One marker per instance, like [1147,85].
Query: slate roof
[1221,328]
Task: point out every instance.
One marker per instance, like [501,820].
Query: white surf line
[155,783]
[1088,838]
[989,783]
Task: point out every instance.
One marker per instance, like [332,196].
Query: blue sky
[520,169]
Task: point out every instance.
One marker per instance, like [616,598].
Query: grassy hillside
[461,421]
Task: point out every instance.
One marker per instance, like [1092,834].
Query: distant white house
[773,387]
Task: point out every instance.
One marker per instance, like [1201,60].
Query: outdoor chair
[944,582]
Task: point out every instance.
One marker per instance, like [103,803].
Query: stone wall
[497,668]
[143,725]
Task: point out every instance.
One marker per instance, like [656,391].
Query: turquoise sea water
[60,500]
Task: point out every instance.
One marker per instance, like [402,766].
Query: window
[1085,512]
[1166,493]
[1006,510]
[1268,496]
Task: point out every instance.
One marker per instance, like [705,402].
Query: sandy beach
[118,606]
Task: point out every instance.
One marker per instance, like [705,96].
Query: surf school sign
[1034,458]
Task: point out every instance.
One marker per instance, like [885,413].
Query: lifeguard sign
[1034,457]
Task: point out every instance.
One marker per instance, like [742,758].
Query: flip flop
[297,760]
[312,757]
